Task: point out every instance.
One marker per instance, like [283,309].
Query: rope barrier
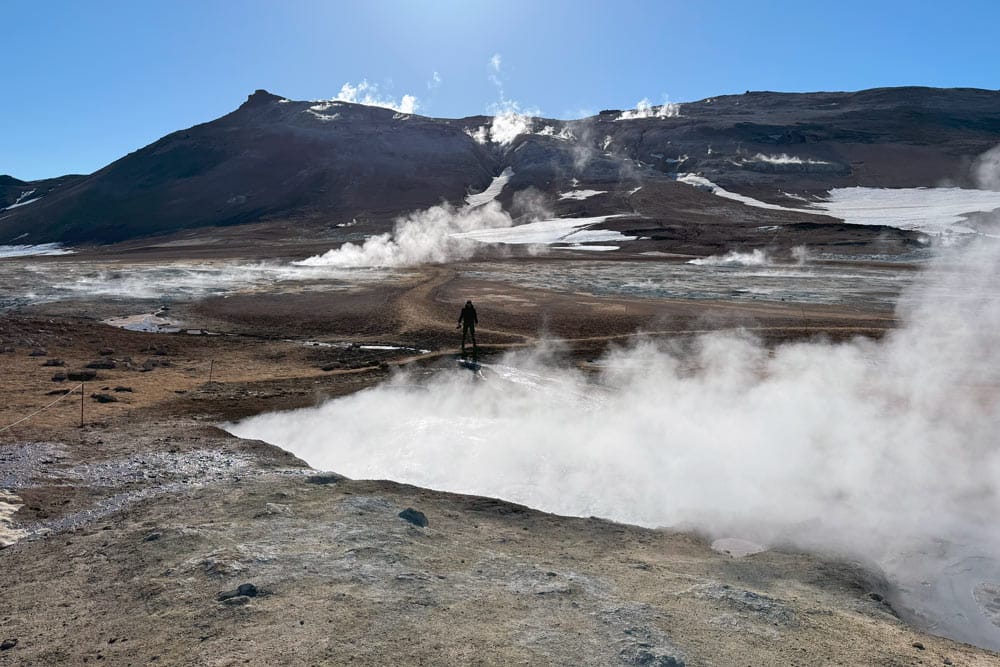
[43,409]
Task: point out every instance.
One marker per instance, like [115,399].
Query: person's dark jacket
[468,316]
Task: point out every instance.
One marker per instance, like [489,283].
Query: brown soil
[135,521]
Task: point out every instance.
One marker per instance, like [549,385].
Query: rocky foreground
[150,536]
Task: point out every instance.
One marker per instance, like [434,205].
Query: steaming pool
[879,452]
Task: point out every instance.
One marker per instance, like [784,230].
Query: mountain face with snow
[316,163]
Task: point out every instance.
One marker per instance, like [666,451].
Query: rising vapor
[882,451]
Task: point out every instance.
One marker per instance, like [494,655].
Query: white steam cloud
[986,169]
[423,237]
[507,125]
[509,121]
[784,158]
[367,93]
[643,109]
[734,258]
[885,451]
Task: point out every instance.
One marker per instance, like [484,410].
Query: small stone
[236,601]
[104,398]
[38,352]
[8,644]
[245,591]
[121,389]
[58,392]
[416,517]
[103,364]
[59,377]
[54,362]
[248,590]
[152,537]
[84,375]
[324,479]
[106,352]
[918,645]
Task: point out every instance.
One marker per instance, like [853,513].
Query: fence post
[83,392]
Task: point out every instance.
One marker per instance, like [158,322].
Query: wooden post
[83,392]
[211,369]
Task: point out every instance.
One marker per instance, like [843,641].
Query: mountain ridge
[312,162]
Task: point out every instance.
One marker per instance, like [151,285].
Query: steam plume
[882,451]
[422,237]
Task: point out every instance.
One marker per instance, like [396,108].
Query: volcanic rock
[416,517]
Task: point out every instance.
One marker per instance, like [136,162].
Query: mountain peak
[261,96]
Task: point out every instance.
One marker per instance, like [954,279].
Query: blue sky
[86,82]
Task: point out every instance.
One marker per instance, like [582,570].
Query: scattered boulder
[237,600]
[38,352]
[54,362]
[58,392]
[84,375]
[150,364]
[59,377]
[106,352]
[104,398]
[8,644]
[152,537]
[416,517]
[121,389]
[245,591]
[103,364]
[918,645]
[328,478]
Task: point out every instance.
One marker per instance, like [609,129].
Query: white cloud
[495,62]
[435,81]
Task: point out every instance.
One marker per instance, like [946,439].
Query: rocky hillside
[274,159]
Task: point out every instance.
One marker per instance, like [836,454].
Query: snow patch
[550,131]
[705,184]
[581,194]
[547,232]
[29,250]
[492,191]
[929,210]
[21,201]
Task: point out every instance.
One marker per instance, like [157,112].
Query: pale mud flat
[137,522]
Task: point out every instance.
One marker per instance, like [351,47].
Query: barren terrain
[134,531]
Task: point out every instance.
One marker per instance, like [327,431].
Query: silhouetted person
[467,320]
